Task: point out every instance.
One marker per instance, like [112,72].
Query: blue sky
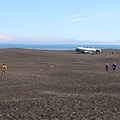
[60,21]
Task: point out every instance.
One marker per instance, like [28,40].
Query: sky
[60,21]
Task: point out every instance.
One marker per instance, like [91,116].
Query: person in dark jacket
[114,67]
[107,67]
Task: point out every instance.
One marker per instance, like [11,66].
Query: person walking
[107,67]
[4,68]
[114,67]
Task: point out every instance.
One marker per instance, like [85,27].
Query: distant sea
[57,46]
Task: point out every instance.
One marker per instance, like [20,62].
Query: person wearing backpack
[114,66]
[4,68]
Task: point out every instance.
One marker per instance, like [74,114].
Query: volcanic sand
[59,85]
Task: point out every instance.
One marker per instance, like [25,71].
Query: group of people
[113,67]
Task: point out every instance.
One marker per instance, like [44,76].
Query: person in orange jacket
[4,68]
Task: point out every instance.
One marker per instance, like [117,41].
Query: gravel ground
[59,85]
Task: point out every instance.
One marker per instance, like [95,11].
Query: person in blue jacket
[114,67]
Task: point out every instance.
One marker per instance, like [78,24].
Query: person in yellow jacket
[4,68]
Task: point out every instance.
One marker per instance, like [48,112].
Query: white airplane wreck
[87,50]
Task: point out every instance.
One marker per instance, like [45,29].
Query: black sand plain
[59,85]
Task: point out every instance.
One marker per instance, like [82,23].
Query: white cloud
[49,15]
[76,18]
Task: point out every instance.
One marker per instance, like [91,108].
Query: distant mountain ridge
[36,39]
[7,39]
